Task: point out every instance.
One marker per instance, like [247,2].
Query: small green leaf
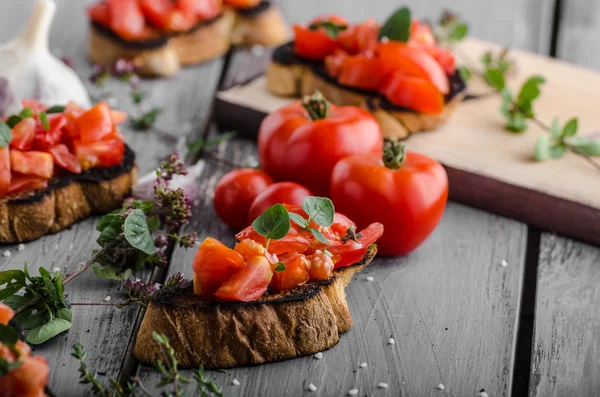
[280,267]
[570,128]
[555,128]
[459,31]
[27,320]
[15,301]
[201,144]
[65,314]
[137,233]
[319,209]
[465,73]
[55,109]
[109,235]
[397,27]
[110,273]
[331,28]
[299,220]
[319,236]
[5,134]
[516,122]
[13,120]
[557,151]
[147,120]
[486,58]
[8,335]
[495,78]
[26,113]
[542,148]
[153,222]
[327,252]
[44,119]
[530,91]
[48,331]
[586,145]
[274,223]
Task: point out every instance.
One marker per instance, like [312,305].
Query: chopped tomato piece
[249,248]
[20,183]
[106,153]
[32,163]
[34,105]
[45,139]
[99,13]
[5,175]
[214,264]
[64,158]
[349,252]
[361,38]
[295,273]
[157,11]
[313,44]
[23,134]
[6,313]
[296,240]
[72,113]
[96,123]
[334,62]
[204,9]
[249,283]
[341,223]
[321,266]
[420,33]
[181,21]
[444,57]
[242,3]
[127,19]
[28,379]
[413,93]
[362,72]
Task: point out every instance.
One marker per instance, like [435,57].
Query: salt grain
[107,299]
[391,341]
[236,382]
[6,253]
[353,392]
[364,365]
[319,355]
[21,247]
[482,393]
[369,278]
[504,263]
[441,387]
[312,387]
[382,385]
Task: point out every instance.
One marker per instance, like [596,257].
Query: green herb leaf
[13,120]
[280,267]
[558,150]
[327,252]
[486,58]
[15,301]
[56,109]
[153,222]
[459,31]
[555,128]
[26,113]
[14,280]
[5,134]
[516,122]
[586,145]
[465,73]
[65,314]
[146,121]
[319,236]
[495,78]
[299,220]
[542,148]
[28,320]
[397,27]
[200,144]
[8,335]
[331,28]
[137,233]
[44,119]
[274,223]
[319,209]
[137,97]
[530,91]
[570,128]
[47,331]
[111,273]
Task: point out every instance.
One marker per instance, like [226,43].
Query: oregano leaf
[397,26]
[495,78]
[542,148]
[319,209]
[570,128]
[459,31]
[44,119]
[558,150]
[319,236]
[299,220]
[555,129]
[586,145]
[274,223]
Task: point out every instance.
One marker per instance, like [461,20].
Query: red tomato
[23,134]
[249,283]
[44,139]
[296,240]
[361,38]
[321,266]
[313,44]
[181,21]
[346,253]
[117,116]
[444,57]
[95,124]
[413,93]
[204,9]
[99,154]
[362,72]
[157,12]
[32,163]
[334,62]
[99,13]
[126,18]
[242,3]
[6,313]
[236,192]
[64,158]
[293,147]
[408,201]
[4,171]
[20,183]
[277,193]
[35,105]
[72,113]
[250,248]
[27,380]
[414,62]
[420,33]
[214,264]
[295,273]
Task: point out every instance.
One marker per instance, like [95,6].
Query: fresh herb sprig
[450,29]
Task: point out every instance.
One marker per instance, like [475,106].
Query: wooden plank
[578,28]
[530,22]
[450,306]
[566,346]
[105,331]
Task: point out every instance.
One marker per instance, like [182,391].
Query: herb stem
[141,385]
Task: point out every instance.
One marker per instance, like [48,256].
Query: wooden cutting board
[487,166]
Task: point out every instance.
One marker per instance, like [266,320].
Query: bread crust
[300,322]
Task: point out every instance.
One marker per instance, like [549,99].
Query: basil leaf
[319,209]
[8,335]
[274,223]
[299,220]
[13,120]
[586,145]
[542,148]
[110,272]
[137,234]
[459,31]
[65,314]
[44,119]
[15,301]
[56,109]
[495,78]
[397,27]
[319,236]
[5,134]
[47,331]
[27,320]
[280,267]
[570,128]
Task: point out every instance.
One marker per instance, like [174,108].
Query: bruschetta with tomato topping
[409,85]
[263,300]
[58,165]
[161,36]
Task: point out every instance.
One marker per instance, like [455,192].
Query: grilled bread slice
[298,322]
[67,199]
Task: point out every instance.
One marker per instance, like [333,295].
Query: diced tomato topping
[208,9]
[334,62]
[242,3]
[295,241]
[157,11]
[249,283]
[118,117]
[64,158]
[413,93]
[28,379]
[341,223]
[20,183]
[32,163]
[99,13]
[106,153]
[295,273]
[321,266]
[420,33]
[23,134]
[346,253]
[444,57]
[214,264]
[34,105]
[313,44]
[5,175]
[6,313]
[249,248]
[127,19]
[362,72]
[361,38]
[96,124]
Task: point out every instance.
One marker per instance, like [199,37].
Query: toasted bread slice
[299,322]
[68,199]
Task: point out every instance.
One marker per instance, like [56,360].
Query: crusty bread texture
[299,322]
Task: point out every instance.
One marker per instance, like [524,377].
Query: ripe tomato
[23,134]
[126,18]
[208,9]
[420,34]
[27,380]
[313,44]
[295,147]
[214,264]
[236,192]
[100,13]
[295,273]
[362,72]
[321,266]
[64,158]
[249,283]
[444,57]
[4,171]
[6,313]
[408,197]
[157,12]
[413,93]
[96,123]
[334,62]
[414,62]
[32,163]
[249,248]
[242,3]
[20,183]
[45,139]
[277,193]
[106,153]
[346,253]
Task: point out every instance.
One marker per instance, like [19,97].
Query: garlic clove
[29,71]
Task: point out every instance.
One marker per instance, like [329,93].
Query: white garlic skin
[29,71]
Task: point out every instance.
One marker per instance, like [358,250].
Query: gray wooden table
[458,317]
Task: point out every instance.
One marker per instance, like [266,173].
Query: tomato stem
[317,106]
[394,153]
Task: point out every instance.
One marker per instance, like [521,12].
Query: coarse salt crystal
[107,299]
[441,387]
[236,382]
[391,341]
[319,355]
[364,365]
[312,387]
[6,253]
[382,385]
[482,393]
[353,392]
[369,278]
[504,263]
[21,247]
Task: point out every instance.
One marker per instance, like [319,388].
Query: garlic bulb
[29,71]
